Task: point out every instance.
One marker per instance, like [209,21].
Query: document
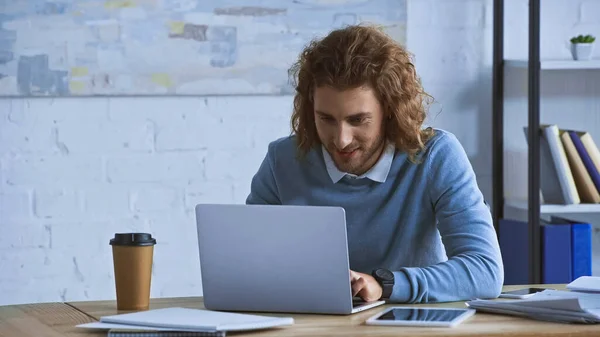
[548,305]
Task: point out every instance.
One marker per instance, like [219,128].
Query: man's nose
[343,137]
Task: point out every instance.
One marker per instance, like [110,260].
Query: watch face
[385,274]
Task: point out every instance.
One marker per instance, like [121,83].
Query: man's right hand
[365,286]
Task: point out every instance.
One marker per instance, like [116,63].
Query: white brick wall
[74,171]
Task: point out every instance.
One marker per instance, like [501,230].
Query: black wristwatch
[386,280]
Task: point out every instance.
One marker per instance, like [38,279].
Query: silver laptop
[272,258]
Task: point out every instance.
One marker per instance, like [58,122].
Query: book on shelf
[569,166]
[566,249]
[585,186]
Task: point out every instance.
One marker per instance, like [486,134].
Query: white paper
[585,283]
[551,305]
[586,300]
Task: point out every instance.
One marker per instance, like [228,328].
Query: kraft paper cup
[132,260]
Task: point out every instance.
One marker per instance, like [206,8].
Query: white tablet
[421,316]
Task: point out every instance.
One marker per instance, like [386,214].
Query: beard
[359,157]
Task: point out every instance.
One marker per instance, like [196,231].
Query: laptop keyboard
[357,302]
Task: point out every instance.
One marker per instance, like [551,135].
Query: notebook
[154,333]
[185,319]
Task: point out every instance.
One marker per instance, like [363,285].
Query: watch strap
[387,290]
[387,285]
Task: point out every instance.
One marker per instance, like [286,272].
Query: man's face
[350,126]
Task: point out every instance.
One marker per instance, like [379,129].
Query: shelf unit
[555,64]
[534,66]
[555,209]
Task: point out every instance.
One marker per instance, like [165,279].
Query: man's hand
[365,286]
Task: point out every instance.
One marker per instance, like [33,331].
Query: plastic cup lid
[132,239]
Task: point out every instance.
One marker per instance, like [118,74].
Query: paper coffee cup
[132,260]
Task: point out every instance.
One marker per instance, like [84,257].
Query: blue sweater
[427,222]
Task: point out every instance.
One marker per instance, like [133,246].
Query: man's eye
[356,120]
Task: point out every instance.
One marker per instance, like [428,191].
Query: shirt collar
[378,172]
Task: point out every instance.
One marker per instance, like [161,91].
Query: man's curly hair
[356,56]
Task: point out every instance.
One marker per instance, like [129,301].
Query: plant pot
[582,51]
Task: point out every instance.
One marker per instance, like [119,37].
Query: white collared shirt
[378,172]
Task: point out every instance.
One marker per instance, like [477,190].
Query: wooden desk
[59,319]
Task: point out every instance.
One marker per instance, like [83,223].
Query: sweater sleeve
[474,267]
[263,187]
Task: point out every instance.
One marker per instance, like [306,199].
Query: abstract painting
[169,47]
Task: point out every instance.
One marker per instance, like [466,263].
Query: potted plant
[582,47]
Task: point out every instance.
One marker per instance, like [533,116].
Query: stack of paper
[188,320]
[548,305]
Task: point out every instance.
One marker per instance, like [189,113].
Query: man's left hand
[365,286]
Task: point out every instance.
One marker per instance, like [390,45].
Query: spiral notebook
[163,333]
[123,330]
[161,322]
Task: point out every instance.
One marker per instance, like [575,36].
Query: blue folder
[581,246]
[556,250]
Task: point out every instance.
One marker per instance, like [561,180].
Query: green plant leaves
[583,39]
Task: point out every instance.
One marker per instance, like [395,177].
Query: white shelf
[548,209]
[556,64]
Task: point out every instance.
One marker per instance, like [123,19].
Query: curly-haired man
[418,227]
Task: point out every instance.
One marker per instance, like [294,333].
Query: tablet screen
[422,315]
[526,291]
